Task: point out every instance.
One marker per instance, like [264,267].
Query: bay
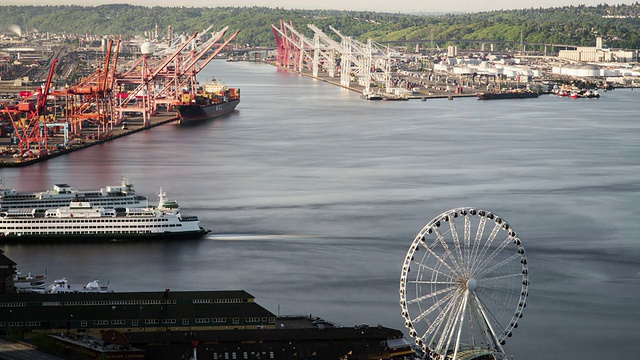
[314,196]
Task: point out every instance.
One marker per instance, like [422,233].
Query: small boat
[29,283]
[371,96]
[63,286]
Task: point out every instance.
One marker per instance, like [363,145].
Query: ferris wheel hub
[472,284]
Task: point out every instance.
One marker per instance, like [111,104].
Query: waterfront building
[7,271]
[181,324]
[93,313]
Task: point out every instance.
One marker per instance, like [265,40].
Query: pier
[11,157]
[439,92]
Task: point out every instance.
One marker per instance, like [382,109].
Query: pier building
[226,324]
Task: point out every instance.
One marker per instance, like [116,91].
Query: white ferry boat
[83,220]
[114,197]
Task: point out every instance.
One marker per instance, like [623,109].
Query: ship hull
[23,238]
[196,113]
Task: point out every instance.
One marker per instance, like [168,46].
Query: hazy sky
[373,5]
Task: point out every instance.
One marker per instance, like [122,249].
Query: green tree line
[619,25]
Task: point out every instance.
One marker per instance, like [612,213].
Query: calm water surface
[314,197]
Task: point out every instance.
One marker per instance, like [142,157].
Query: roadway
[11,350]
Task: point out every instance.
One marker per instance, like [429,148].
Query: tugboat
[371,96]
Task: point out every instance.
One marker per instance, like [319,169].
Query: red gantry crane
[28,116]
[91,100]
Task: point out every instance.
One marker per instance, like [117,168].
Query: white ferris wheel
[464,285]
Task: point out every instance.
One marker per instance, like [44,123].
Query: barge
[506,95]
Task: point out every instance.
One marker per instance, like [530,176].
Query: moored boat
[83,221]
[371,96]
[29,283]
[212,100]
[63,286]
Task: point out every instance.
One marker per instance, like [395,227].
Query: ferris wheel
[464,285]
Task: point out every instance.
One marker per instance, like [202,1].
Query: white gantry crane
[356,59]
[464,285]
[328,47]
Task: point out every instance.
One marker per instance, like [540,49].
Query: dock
[134,125]
[422,95]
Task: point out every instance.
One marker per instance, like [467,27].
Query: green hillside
[619,25]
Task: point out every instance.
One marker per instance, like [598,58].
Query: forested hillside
[619,25]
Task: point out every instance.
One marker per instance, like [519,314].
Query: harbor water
[314,195]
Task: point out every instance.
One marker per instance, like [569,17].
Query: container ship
[81,220]
[212,100]
[120,196]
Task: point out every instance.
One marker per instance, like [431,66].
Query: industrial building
[598,54]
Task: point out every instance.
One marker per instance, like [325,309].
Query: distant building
[597,54]
[452,51]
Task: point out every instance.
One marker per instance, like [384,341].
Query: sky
[397,6]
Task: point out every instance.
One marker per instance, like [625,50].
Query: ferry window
[236,321]
[134,322]
[185,321]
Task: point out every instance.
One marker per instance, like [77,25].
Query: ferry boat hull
[47,238]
